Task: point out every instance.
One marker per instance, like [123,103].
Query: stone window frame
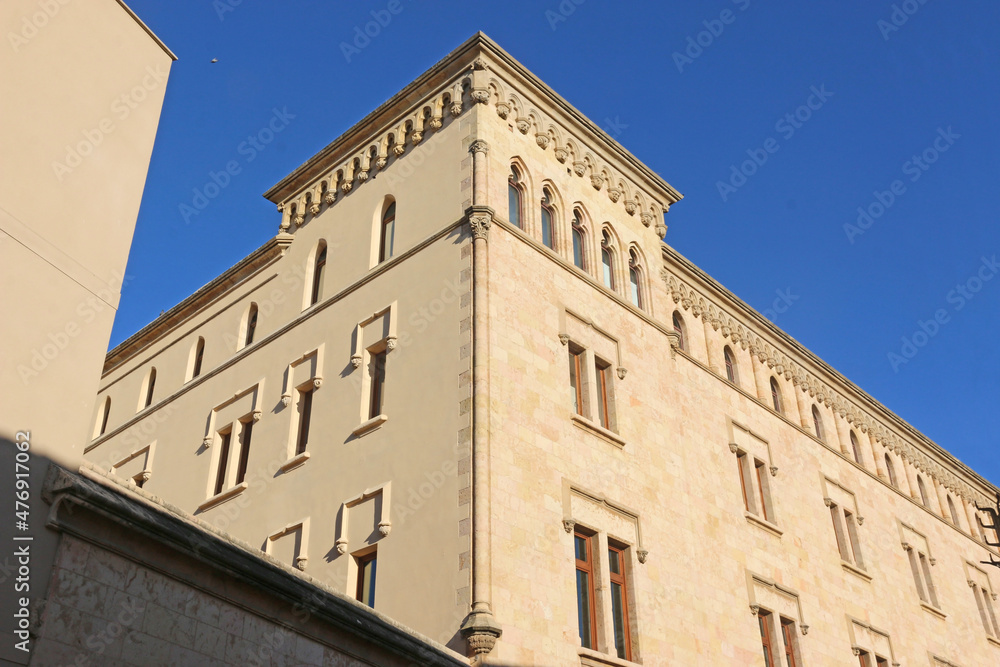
[344,514]
[859,644]
[920,564]
[212,432]
[143,476]
[301,558]
[763,486]
[361,356]
[847,532]
[290,388]
[758,587]
[601,538]
[975,577]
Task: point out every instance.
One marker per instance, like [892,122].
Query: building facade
[468,384]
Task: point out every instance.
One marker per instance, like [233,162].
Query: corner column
[480,628]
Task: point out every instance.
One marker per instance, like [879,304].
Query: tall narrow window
[679,327]
[199,357]
[818,424]
[891,472]
[732,370]
[251,324]
[923,491]
[377,384]
[766,638]
[150,384]
[607,262]
[587,623]
[602,376]
[619,602]
[576,378]
[366,578]
[220,476]
[305,415]
[776,396]
[547,215]
[319,269]
[388,232]
[579,256]
[514,192]
[633,279]
[104,416]
[246,431]
[856,449]
[788,638]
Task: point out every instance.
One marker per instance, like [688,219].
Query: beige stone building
[468,384]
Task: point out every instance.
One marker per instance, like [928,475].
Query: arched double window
[319,270]
[732,370]
[515,195]
[818,423]
[607,261]
[387,232]
[890,470]
[681,330]
[547,216]
[579,235]
[776,396]
[635,279]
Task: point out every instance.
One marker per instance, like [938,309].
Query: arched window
[547,217]
[250,325]
[952,511]
[732,370]
[818,423]
[891,472]
[856,448]
[579,254]
[197,357]
[634,279]
[679,327]
[387,233]
[150,384]
[607,261]
[776,396]
[319,269]
[514,196]
[923,491]
[102,425]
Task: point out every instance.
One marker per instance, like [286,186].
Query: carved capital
[356,360]
[384,527]
[621,372]
[568,525]
[642,555]
[503,110]
[564,339]
[479,146]
[480,95]
[341,546]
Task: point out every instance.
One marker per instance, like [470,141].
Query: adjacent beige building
[469,385]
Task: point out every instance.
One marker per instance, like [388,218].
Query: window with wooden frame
[818,423]
[377,385]
[681,330]
[515,195]
[579,245]
[150,384]
[856,449]
[732,369]
[755,486]
[304,415]
[607,261]
[583,545]
[890,470]
[846,531]
[776,400]
[319,271]
[602,377]
[576,379]
[620,601]
[367,567]
[547,217]
[387,233]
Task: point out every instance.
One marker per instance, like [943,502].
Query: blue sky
[903,101]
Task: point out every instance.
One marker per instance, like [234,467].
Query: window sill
[294,462]
[597,430]
[993,641]
[220,498]
[937,612]
[854,569]
[589,658]
[763,523]
[370,425]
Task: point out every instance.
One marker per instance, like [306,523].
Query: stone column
[480,629]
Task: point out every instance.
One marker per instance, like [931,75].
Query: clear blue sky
[923,80]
